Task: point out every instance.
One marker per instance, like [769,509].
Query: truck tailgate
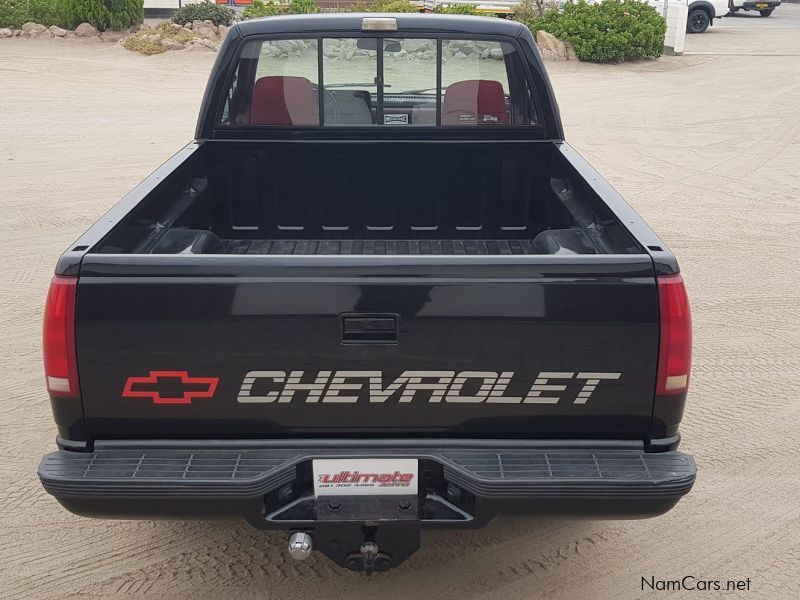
[271,346]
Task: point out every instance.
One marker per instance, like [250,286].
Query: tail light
[60,364]
[675,348]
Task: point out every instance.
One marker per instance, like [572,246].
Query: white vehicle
[764,7]
[703,12]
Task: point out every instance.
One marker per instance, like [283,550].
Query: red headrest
[474,102]
[284,101]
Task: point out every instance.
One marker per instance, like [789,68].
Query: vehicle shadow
[234,560]
[744,15]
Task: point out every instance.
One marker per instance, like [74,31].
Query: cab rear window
[378,81]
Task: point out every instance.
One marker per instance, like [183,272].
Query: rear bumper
[461,484]
[761,5]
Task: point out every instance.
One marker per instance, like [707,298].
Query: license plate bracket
[367,533]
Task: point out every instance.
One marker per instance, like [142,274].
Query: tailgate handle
[369,329]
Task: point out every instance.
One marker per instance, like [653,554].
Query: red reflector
[675,348]
[60,364]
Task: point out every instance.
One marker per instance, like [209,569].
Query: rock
[5,32]
[197,47]
[496,54]
[85,30]
[186,30]
[171,44]
[205,32]
[210,24]
[211,45]
[58,32]
[175,26]
[545,41]
[198,24]
[113,36]
[222,31]
[33,28]
[552,48]
[571,54]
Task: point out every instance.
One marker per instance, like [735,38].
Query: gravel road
[705,146]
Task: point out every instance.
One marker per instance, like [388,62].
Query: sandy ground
[706,147]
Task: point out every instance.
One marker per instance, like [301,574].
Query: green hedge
[103,14]
[612,31]
[13,13]
[270,8]
[387,6]
[458,9]
[259,8]
[204,11]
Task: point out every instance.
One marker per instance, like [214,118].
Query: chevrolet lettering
[430,386]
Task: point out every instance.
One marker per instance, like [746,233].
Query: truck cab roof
[406,23]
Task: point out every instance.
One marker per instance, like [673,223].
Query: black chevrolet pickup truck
[378,293]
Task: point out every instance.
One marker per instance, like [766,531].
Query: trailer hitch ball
[300,545]
[369,551]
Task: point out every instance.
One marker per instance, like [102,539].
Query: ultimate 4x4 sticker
[436,386]
[170,387]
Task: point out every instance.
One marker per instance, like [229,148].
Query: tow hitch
[362,533]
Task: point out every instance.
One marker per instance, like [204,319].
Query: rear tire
[766,13]
[698,21]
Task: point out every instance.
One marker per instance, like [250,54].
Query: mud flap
[367,533]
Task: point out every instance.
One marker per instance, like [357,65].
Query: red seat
[474,102]
[281,100]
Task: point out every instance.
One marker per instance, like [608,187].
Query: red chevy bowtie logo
[170,387]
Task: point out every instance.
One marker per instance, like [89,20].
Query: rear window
[371,81]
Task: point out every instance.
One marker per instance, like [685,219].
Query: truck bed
[401,198]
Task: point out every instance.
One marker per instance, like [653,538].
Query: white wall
[677,12]
[167,3]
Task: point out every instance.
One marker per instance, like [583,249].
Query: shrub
[612,31]
[46,12]
[302,7]
[14,13]
[103,14]
[204,11]
[388,6]
[259,8]
[528,10]
[457,9]
[148,41]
